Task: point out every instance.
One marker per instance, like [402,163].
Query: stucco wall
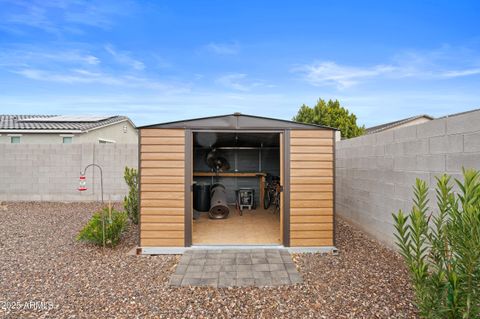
[414,122]
[113,132]
[51,172]
[375,173]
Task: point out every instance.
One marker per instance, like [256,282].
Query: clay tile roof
[56,122]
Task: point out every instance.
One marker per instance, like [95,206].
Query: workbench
[260,175]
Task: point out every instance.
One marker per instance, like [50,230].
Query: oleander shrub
[130,202]
[442,249]
[105,228]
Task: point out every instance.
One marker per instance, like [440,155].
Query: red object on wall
[83,183]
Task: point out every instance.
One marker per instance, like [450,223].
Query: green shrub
[130,202]
[104,228]
[442,250]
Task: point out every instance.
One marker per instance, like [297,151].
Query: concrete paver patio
[235,267]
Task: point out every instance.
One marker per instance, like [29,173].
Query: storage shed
[288,168]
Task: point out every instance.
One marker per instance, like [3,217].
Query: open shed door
[162,187]
[282,194]
[311,187]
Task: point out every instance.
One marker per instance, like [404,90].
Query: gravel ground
[40,261]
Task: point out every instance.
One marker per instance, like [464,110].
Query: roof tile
[15,122]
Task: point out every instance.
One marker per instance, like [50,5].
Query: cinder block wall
[50,172]
[375,173]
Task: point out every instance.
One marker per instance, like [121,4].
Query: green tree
[330,114]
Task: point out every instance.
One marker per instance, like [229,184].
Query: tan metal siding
[311,187]
[162,169]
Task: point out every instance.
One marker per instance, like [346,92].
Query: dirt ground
[45,273]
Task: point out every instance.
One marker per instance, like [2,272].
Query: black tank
[201,197]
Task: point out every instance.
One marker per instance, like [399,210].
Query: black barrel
[218,203]
[201,197]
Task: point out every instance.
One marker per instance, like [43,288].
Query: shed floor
[255,227]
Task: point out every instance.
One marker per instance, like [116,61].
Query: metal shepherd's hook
[101,176]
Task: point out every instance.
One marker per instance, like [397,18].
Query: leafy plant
[130,202]
[330,114]
[442,250]
[104,228]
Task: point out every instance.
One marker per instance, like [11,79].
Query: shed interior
[252,159]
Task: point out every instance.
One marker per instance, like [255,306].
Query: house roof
[236,121]
[457,114]
[56,123]
[388,126]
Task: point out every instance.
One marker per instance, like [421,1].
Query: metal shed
[306,167]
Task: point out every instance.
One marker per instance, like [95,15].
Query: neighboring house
[414,120]
[66,129]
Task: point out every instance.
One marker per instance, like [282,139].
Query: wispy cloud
[105,66]
[233,81]
[240,82]
[82,76]
[459,73]
[432,65]
[25,56]
[441,63]
[223,48]
[70,76]
[125,58]
[58,16]
[330,73]
[29,15]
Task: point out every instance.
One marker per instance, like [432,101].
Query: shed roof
[237,121]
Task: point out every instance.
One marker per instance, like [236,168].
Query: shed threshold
[180,250]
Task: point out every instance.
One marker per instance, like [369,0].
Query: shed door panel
[311,188]
[162,182]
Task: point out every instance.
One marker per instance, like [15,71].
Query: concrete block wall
[50,172]
[375,173]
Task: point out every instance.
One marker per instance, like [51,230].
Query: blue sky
[158,61]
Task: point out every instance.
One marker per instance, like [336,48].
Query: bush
[104,228]
[130,202]
[442,251]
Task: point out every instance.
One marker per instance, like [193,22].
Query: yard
[41,261]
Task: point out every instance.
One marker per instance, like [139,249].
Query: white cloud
[90,59]
[233,81]
[28,55]
[240,82]
[223,48]
[82,76]
[460,73]
[70,77]
[125,58]
[330,73]
[80,66]
[81,56]
[443,63]
[61,16]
